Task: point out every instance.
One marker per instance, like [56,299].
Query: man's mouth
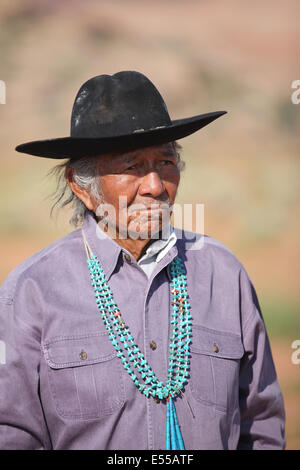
[136,208]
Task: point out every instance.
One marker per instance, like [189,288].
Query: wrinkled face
[141,186]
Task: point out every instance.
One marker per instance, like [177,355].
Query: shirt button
[83,355]
[149,293]
[153,345]
[127,257]
[215,348]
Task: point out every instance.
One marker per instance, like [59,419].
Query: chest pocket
[214,373]
[85,376]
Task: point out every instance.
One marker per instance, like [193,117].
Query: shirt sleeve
[22,424]
[261,402]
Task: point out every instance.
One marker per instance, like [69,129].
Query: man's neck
[137,247]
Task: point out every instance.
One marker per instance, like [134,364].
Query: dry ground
[289,379]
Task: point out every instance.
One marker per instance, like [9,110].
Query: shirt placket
[156,346]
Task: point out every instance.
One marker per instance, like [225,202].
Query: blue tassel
[168,432]
[179,440]
[173,435]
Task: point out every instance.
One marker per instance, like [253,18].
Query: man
[127,334]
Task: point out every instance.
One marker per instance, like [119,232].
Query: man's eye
[168,162]
[132,167]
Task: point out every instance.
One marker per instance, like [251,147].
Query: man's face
[141,186]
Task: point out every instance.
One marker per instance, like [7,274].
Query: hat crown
[121,104]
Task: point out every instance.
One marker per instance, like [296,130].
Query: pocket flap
[216,343]
[78,350]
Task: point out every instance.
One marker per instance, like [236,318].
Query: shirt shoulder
[204,248]
[216,270]
[50,255]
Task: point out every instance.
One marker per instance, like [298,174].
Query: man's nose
[151,184]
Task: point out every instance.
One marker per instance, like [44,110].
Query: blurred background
[203,56]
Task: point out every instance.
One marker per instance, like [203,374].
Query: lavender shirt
[62,386]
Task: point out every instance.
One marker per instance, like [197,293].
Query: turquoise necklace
[133,359]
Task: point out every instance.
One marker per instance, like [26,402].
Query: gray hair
[85,172]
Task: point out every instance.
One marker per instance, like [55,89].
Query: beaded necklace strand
[133,360]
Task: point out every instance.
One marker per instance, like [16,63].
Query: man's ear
[80,192]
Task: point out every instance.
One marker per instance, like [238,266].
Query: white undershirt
[157,250]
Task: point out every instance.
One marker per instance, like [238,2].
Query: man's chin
[147,231]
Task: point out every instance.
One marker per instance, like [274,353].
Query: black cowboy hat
[117,113]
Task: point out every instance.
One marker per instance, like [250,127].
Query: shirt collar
[160,247]
[108,251]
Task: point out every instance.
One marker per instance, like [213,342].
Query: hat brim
[76,147]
